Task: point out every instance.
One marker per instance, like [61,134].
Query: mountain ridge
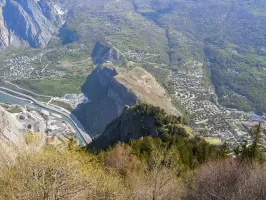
[140,121]
[111,89]
[28,22]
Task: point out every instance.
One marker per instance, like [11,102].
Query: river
[5,98]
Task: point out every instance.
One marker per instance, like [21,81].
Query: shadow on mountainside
[106,100]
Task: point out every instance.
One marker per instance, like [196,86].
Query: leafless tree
[51,175]
[228,179]
[160,181]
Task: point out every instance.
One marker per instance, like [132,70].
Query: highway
[86,138]
[39,95]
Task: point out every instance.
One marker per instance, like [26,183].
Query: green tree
[255,151]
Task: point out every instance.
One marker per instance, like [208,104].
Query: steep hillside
[227,35]
[140,121]
[146,88]
[10,129]
[109,90]
[28,22]
[117,23]
[11,137]
[147,169]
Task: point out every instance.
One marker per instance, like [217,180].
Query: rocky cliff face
[3,30]
[103,52]
[107,98]
[111,90]
[10,128]
[28,22]
[13,139]
[11,136]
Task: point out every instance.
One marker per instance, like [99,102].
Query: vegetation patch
[213,141]
[14,110]
[57,87]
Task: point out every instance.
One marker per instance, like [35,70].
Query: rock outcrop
[146,88]
[3,30]
[11,137]
[107,97]
[104,52]
[139,121]
[14,139]
[28,22]
[10,128]
[110,90]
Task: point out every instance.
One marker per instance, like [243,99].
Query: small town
[206,116]
[26,67]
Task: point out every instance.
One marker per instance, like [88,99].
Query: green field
[212,140]
[57,87]
[14,110]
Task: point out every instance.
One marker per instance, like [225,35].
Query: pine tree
[255,151]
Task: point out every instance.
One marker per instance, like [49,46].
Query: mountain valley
[207,62]
[132,99]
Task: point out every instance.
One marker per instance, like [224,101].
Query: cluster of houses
[73,99]
[26,67]
[207,117]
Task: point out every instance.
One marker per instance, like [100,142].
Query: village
[206,116]
[26,67]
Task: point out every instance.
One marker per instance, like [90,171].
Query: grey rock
[28,22]
[108,98]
